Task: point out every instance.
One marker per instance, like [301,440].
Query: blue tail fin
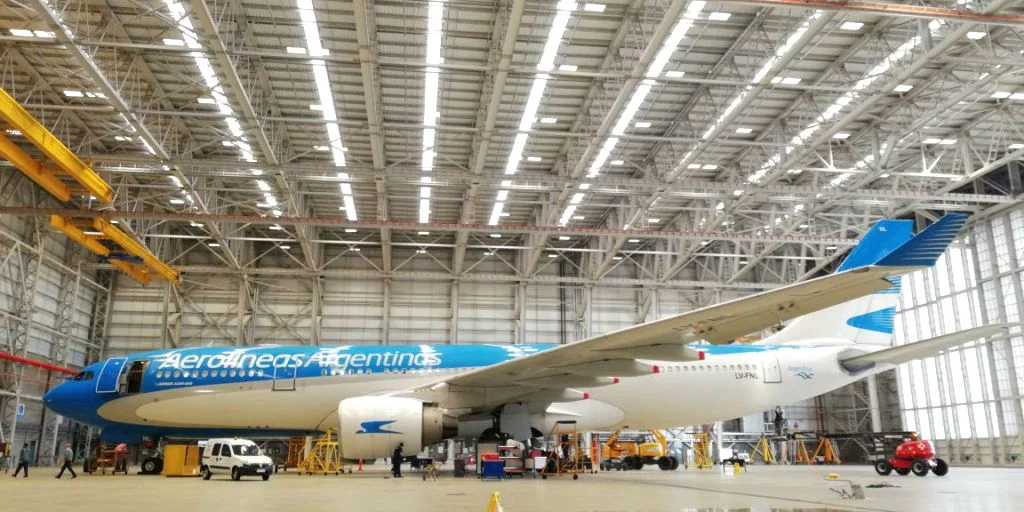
[883,238]
[924,249]
[869,320]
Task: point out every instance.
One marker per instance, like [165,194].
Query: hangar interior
[509,172]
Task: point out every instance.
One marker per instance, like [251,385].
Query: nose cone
[57,398]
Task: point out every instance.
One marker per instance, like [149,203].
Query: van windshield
[246,449]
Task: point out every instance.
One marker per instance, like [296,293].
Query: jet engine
[372,426]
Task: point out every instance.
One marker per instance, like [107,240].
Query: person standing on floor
[67,460]
[24,456]
[396,461]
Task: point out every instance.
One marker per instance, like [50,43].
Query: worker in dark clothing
[396,461]
[24,456]
[66,461]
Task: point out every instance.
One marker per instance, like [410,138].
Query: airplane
[679,370]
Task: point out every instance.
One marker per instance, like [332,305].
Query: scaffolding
[567,451]
[296,445]
[764,449]
[324,457]
[701,451]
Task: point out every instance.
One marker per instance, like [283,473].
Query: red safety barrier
[37,364]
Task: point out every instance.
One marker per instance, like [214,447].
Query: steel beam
[66,37]
[482,140]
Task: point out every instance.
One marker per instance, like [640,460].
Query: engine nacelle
[372,426]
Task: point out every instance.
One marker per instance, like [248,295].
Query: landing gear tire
[902,472]
[152,466]
[675,463]
[206,473]
[883,467]
[575,477]
[941,468]
[664,463]
[235,474]
[919,468]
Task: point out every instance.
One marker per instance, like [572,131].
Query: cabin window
[225,450]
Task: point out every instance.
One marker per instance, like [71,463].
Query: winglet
[924,249]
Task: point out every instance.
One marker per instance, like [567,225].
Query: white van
[239,457]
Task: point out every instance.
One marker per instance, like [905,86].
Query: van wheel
[206,473]
[235,474]
[152,466]
[266,477]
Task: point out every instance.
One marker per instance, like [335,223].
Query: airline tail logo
[879,321]
[376,427]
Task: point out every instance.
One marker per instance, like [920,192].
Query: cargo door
[284,378]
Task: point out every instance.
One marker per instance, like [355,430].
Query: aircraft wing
[616,353]
[599,359]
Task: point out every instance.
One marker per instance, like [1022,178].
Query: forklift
[633,451]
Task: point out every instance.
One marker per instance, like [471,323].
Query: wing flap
[920,349]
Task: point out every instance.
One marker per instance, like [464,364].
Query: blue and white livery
[675,371]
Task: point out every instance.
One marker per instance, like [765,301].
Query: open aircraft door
[772,370]
[110,375]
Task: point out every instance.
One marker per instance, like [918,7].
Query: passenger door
[225,456]
[772,370]
[109,375]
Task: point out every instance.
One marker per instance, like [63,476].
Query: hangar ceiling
[719,144]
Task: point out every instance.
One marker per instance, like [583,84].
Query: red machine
[913,456]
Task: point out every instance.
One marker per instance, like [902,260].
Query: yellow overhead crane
[64,160]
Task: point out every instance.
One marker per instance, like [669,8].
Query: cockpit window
[83,375]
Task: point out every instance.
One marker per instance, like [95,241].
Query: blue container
[492,469]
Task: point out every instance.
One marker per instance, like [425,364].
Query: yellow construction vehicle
[635,450]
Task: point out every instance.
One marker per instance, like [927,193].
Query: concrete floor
[762,488]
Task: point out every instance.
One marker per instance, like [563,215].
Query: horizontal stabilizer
[924,249]
[920,349]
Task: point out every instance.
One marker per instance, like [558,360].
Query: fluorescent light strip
[654,70]
[847,98]
[564,12]
[212,81]
[315,49]
[762,72]
[431,88]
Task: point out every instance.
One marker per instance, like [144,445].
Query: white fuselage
[721,387]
